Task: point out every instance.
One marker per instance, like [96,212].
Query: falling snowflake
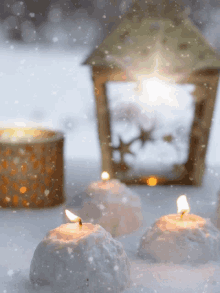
[124,199]
[10,273]
[102,207]
[70,250]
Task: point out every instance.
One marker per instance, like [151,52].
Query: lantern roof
[155,35]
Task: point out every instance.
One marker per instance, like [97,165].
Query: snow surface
[22,230]
[91,262]
[54,83]
[194,246]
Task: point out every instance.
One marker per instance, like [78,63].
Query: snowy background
[43,83]
[50,87]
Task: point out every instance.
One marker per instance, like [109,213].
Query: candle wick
[80,223]
[182,213]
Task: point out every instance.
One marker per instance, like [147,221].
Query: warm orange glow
[182,205]
[152,181]
[25,203]
[173,222]
[73,232]
[73,218]
[105,176]
[16,134]
[15,200]
[23,189]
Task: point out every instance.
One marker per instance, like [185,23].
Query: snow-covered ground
[22,230]
[44,86]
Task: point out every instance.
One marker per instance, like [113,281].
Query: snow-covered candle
[110,204]
[80,257]
[180,238]
[182,220]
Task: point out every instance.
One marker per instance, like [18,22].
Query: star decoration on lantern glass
[123,148]
[146,135]
[168,138]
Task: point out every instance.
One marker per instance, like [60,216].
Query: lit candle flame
[182,205]
[152,181]
[105,176]
[73,218]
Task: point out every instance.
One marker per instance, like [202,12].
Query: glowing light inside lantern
[152,181]
[182,205]
[156,92]
[73,218]
[155,88]
[105,176]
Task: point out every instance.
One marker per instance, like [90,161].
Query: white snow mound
[192,246]
[116,208]
[94,263]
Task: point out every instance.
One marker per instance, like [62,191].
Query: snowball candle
[181,238]
[80,258]
[110,204]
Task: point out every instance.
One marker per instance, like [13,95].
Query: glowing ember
[73,218]
[182,205]
[23,189]
[105,176]
[152,181]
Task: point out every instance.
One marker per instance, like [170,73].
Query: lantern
[159,42]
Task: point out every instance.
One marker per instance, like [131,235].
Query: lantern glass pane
[150,127]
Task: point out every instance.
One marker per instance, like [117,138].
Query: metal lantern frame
[200,130]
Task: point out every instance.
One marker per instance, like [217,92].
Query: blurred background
[43,44]
[83,22]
